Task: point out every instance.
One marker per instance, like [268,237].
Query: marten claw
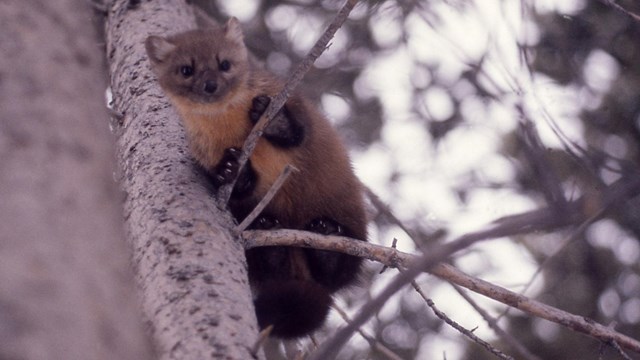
[227,168]
[266,222]
[325,227]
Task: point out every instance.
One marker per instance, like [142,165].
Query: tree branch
[493,324]
[614,5]
[542,219]
[267,198]
[190,268]
[384,351]
[431,263]
[468,333]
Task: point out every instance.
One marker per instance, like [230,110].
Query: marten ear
[233,31]
[158,49]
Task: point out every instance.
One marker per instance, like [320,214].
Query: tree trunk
[192,272]
[66,289]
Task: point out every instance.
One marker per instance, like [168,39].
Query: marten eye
[186,70]
[224,65]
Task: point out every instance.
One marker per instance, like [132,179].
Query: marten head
[202,66]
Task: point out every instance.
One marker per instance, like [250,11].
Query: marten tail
[294,307]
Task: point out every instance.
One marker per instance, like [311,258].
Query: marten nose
[210,86]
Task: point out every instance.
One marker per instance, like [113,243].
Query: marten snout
[210,87]
[207,83]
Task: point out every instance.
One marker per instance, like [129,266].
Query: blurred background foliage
[434,98]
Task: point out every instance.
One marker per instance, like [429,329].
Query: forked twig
[468,333]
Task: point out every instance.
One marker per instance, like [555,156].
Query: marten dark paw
[227,168]
[258,105]
[266,222]
[325,226]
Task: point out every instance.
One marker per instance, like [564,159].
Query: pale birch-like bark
[193,274]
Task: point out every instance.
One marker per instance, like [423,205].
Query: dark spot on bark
[173,249]
[220,350]
[184,273]
[185,224]
[212,320]
[176,295]
[194,310]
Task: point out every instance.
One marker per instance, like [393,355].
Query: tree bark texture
[66,289]
[196,295]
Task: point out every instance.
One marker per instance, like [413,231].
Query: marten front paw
[258,105]
[325,226]
[227,168]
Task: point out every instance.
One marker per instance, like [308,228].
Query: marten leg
[285,296]
[284,130]
[331,269]
[267,262]
[227,170]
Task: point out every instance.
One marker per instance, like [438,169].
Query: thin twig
[614,345]
[621,9]
[619,350]
[330,348]
[394,244]
[279,100]
[262,337]
[267,198]
[370,339]
[493,324]
[564,244]
[384,209]
[535,154]
[468,333]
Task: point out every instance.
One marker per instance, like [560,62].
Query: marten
[220,93]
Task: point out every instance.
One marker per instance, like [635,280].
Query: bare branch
[468,333]
[429,262]
[574,235]
[621,9]
[385,351]
[493,324]
[619,350]
[278,102]
[329,349]
[267,197]
[535,153]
